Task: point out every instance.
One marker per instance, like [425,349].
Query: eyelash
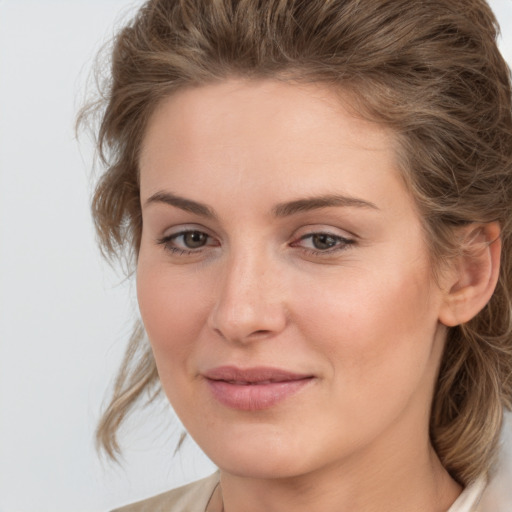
[341,243]
[167,241]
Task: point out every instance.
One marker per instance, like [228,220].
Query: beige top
[194,497]
[470,498]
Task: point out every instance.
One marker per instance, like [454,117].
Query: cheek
[171,310]
[373,321]
[379,338]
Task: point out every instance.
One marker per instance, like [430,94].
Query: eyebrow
[315,203]
[182,203]
[280,210]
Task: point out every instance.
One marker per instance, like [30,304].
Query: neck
[420,484]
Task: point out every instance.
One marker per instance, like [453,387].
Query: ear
[474,275]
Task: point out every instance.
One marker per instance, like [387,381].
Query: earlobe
[474,275]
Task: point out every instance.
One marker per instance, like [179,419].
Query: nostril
[261,332]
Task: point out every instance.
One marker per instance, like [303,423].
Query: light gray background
[64,314]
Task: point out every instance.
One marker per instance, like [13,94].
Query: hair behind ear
[475,377]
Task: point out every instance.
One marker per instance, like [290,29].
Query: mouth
[254,389]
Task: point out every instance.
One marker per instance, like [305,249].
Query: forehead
[299,136]
[267,111]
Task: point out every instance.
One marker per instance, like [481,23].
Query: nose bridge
[248,302]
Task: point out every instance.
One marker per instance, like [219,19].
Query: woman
[316,196]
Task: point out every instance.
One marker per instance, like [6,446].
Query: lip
[253,389]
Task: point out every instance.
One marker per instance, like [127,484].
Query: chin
[261,467]
[259,455]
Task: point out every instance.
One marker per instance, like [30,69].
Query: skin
[363,317]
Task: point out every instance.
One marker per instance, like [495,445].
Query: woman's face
[284,280]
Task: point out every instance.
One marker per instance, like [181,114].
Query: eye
[323,242]
[193,239]
[187,241]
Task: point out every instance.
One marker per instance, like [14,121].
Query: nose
[249,303]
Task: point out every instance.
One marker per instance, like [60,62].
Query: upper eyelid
[182,232]
[340,238]
[185,228]
[298,234]
[313,229]
[327,232]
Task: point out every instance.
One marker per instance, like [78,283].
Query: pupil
[194,239]
[323,241]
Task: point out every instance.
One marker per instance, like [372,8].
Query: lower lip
[255,397]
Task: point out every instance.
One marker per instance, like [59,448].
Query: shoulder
[190,498]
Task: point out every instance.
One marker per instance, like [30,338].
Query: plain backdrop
[65,315]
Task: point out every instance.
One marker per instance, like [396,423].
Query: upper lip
[254,375]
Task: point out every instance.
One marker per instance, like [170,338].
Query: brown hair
[428,69]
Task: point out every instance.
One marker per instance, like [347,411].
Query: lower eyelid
[168,243]
[342,244]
